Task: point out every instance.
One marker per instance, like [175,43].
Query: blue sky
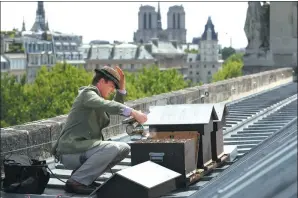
[118,20]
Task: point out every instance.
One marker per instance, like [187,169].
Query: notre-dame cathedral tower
[150,25]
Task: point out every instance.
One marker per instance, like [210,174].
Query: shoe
[75,187]
[94,184]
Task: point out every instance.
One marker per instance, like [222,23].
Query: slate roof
[144,54]
[125,51]
[210,25]
[268,170]
[166,48]
[196,40]
[122,51]
[101,51]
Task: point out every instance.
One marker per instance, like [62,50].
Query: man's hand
[139,116]
[122,78]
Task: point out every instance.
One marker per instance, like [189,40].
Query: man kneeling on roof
[80,146]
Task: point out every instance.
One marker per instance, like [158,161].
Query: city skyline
[95,21]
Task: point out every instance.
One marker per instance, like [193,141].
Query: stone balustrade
[36,138]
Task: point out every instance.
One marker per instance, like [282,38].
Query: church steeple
[159,25]
[23,26]
[209,27]
[39,24]
[47,26]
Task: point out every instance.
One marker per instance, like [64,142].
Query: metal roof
[101,52]
[165,48]
[123,51]
[181,114]
[269,170]
[144,54]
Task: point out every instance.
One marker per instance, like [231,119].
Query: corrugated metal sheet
[265,171]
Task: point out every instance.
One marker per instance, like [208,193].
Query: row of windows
[17,64]
[65,48]
[69,38]
[198,73]
[4,66]
[214,58]
[190,66]
[34,47]
[37,60]
[70,57]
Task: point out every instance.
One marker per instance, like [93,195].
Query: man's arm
[120,96]
[92,100]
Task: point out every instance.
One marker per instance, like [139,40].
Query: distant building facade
[66,48]
[17,64]
[203,65]
[42,46]
[39,53]
[150,25]
[129,57]
[168,55]
[4,64]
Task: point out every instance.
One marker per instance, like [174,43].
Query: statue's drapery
[257,25]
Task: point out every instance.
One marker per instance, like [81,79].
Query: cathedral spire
[47,26]
[40,9]
[159,25]
[23,25]
[39,24]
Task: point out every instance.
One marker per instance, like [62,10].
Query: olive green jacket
[90,113]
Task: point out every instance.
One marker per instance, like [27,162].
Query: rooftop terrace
[35,138]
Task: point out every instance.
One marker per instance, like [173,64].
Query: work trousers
[94,162]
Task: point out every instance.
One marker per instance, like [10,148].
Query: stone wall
[36,138]
[283,33]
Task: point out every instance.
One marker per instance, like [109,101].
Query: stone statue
[257,31]
[252,26]
[265,26]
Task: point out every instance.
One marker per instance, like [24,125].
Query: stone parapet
[36,138]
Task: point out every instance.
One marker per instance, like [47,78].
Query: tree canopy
[54,90]
[231,68]
[226,52]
